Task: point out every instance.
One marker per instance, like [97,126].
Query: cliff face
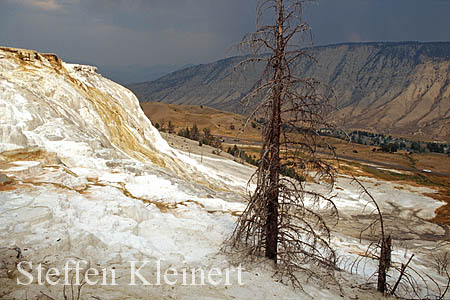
[400,88]
[75,113]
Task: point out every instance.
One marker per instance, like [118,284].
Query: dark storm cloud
[127,31]
[147,32]
[380,20]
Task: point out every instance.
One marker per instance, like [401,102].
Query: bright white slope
[94,180]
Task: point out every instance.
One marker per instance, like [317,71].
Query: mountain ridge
[392,87]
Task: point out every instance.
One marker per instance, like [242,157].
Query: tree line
[388,143]
[204,136]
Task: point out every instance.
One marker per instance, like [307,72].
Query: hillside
[396,88]
[219,122]
[138,73]
[91,196]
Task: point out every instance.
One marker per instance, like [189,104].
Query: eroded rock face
[402,88]
[73,111]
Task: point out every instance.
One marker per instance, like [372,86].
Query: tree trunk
[384,263]
[274,144]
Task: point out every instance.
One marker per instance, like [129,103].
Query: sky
[120,33]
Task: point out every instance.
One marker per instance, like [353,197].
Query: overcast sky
[149,32]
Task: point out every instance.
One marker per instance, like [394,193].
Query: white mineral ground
[94,180]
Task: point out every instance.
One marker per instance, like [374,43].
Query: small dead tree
[409,281]
[283,221]
[384,245]
[442,262]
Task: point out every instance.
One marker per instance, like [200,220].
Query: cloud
[40,4]
[45,5]
[146,32]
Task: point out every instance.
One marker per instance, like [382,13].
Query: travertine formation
[73,111]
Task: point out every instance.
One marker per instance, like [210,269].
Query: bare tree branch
[284,219]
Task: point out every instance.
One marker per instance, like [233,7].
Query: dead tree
[409,280]
[282,220]
[384,245]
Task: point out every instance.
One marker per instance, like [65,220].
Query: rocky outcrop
[73,112]
[396,88]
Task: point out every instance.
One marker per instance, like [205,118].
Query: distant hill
[138,73]
[396,88]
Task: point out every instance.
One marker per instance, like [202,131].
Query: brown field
[183,116]
[220,122]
